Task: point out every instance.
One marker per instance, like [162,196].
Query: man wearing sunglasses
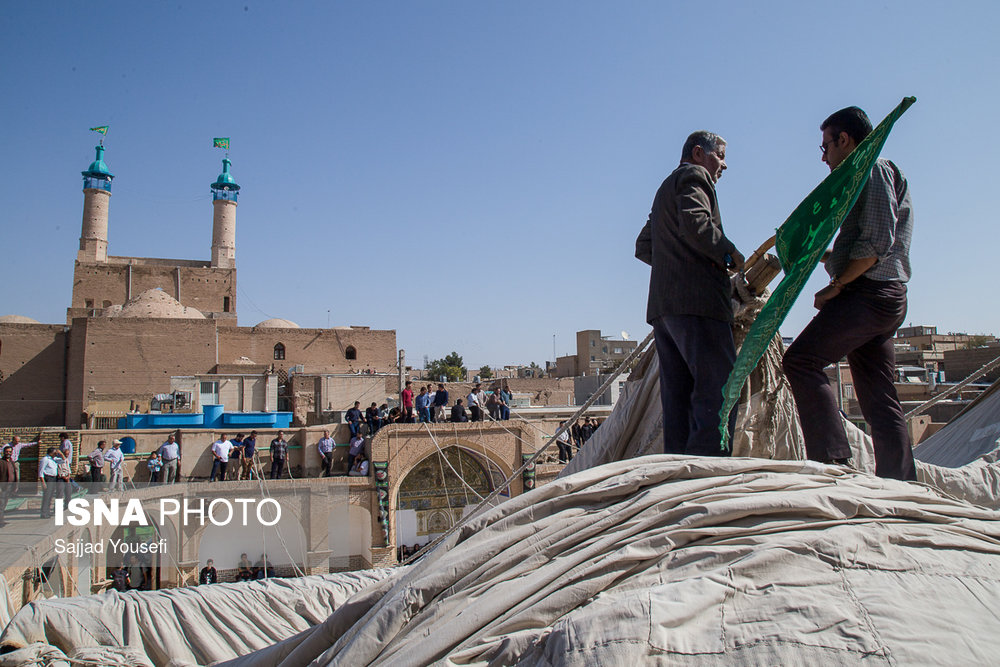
[689,297]
[859,312]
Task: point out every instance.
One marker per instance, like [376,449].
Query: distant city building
[927,363]
[923,346]
[962,363]
[586,386]
[594,354]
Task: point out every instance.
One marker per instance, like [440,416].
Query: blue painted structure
[97,175]
[213,417]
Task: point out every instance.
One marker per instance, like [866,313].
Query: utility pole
[840,387]
[402,375]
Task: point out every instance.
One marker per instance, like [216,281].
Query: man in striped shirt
[16,446]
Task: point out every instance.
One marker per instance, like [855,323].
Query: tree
[978,340]
[485,372]
[450,367]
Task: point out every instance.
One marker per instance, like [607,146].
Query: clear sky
[474,174]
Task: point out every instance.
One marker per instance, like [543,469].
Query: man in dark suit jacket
[689,297]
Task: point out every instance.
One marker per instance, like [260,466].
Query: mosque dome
[157,303]
[277,323]
[17,319]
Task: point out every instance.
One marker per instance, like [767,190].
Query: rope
[486,457]
[534,457]
[265,493]
[156,527]
[944,394]
[461,468]
[461,477]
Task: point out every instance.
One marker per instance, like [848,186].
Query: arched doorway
[433,497]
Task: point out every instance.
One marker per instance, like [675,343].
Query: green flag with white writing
[221,142]
[103,129]
[800,243]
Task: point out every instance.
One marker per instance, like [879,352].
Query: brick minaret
[224,194]
[96,197]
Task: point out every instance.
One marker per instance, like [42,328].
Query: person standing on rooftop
[859,312]
[689,297]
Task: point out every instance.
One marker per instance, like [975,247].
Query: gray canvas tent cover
[975,432]
[633,556]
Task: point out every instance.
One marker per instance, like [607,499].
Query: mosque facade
[138,327]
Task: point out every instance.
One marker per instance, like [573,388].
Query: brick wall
[314,396]
[546,391]
[959,364]
[201,286]
[196,457]
[133,357]
[32,368]
[319,350]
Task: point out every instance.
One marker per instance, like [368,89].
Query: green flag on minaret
[103,129]
[221,142]
[800,243]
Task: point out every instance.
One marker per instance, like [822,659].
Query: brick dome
[277,323]
[158,304]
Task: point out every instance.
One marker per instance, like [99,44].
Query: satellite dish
[624,335]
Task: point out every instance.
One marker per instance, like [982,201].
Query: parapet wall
[195,284]
[32,374]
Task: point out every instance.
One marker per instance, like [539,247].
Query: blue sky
[473,174]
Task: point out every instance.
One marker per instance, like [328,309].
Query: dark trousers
[219,467]
[277,468]
[327,464]
[860,323]
[565,451]
[696,355]
[476,413]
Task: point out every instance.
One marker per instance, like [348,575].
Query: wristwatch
[835,282]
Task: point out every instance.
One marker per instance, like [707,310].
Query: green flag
[103,129]
[801,242]
[221,142]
